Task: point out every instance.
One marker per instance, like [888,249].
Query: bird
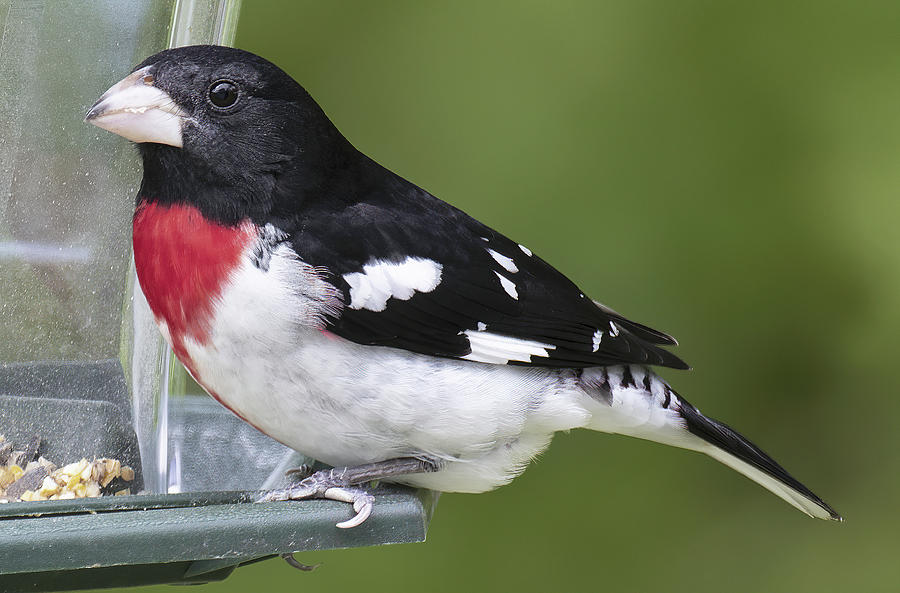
[352,316]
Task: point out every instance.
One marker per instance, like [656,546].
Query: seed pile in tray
[27,476]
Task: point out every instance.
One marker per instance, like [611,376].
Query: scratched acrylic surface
[65,188]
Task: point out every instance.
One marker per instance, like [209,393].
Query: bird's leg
[336,484]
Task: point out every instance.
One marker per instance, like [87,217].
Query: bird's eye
[223,94]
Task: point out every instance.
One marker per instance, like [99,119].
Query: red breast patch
[183,261]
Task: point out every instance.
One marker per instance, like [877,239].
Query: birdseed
[24,478]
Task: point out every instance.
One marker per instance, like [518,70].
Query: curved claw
[361,516]
[362,501]
[289,558]
[299,473]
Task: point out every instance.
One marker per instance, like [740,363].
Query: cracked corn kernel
[127,473]
[49,487]
[9,474]
[85,474]
[109,469]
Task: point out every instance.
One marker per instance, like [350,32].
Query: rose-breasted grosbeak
[356,318]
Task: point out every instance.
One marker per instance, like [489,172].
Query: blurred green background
[724,171]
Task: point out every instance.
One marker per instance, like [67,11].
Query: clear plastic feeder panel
[82,365]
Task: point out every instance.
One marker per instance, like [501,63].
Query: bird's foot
[337,484]
[333,484]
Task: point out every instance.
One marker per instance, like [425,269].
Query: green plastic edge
[236,532]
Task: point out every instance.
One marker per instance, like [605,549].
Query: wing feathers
[420,275]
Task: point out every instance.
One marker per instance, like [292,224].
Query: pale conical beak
[137,110]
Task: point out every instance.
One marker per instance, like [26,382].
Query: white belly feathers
[271,360]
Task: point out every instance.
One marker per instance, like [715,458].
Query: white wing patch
[508,285]
[382,280]
[508,264]
[499,349]
[598,336]
[525,250]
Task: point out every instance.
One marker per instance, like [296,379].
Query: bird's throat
[183,262]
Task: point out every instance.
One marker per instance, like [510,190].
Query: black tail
[740,454]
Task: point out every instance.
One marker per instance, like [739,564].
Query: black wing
[482,297]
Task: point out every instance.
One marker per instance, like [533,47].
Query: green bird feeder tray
[84,373]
